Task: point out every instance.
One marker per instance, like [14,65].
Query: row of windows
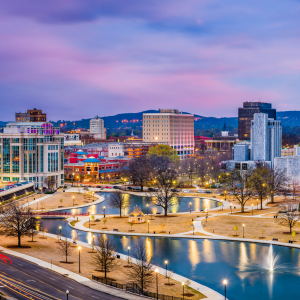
[52,147]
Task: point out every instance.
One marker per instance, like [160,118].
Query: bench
[116,230]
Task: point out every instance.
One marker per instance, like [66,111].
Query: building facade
[246,113]
[32,151]
[171,127]
[32,115]
[291,166]
[97,128]
[266,138]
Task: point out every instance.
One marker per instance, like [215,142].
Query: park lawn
[53,201]
[45,248]
[223,225]
[176,223]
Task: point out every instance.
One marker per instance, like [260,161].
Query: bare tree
[140,170]
[141,272]
[289,217]
[277,181]
[239,184]
[294,187]
[15,220]
[164,195]
[259,184]
[105,256]
[32,228]
[118,200]
[65,247]
[202,167]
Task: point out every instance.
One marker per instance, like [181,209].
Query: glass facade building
[246,113]
[32,151]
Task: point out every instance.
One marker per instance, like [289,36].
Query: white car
[201,191]
[185,191]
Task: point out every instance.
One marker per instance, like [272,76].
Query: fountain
[270,260]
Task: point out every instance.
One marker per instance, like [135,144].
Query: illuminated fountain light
[270,260]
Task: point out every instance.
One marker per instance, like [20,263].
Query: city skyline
[77,60]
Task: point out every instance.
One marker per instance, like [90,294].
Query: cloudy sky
[78,58]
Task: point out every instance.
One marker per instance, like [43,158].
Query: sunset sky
[80,58]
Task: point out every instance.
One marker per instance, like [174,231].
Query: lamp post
[231,208]
[59,230]
[147,208]
[252,209]
[73,200]
[89,220]
[193,224]
[67,293]
[225,192]
[79,248]
[37,203]
[190,207]
[128,248]
[148,225]
[183,290]
[156,271]
[243,230]
[103,211]
[166,263]
[225,283]
[93,242]
[93,196]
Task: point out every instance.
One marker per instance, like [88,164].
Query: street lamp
[231,208]
[67,292]
[225,283]
[183,290]
[147,208]
[103,211]
[166,263]
[252,209]
[37,203]
[190,207]
[193,224]
[243,230]
[225,192]
[128,248]
[59,230]
[89,220]
[148,225]
[79,248]
[93,242]
[156,271]
[73,200]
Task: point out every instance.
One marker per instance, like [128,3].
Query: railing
[134,288]
[49,213]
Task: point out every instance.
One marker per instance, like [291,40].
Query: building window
[15,159]
[237,166]
[244,166]
[6,155]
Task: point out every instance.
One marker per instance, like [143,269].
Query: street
[25,280]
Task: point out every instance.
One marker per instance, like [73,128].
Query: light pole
[93,196]
[59,230]
[73,200]
[89,219]
[79,248]
[67,292]
[183,290]
[148,225]
[231,208]
[252,209]
[166,263]
[147,208]
[243,230]
[103,211]
[225,192]
[193,224]
[37,203]
[225,283]
[156,271]
[128,248]
[93,242]
[190,207]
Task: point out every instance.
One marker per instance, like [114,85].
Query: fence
[134,288]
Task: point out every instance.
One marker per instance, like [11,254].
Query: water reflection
[194,254]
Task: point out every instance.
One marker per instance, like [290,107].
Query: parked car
[200,191]
[108,187]
[130,188]
[185,191]
[116,187]
[150,189]
[137,188]
[208,192]
[174,190]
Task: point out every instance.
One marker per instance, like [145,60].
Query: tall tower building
[171,127]
[97,127]
[266,137]
[246,113]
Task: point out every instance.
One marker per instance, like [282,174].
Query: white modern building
[266,138]
[72,139]
[97,128]
[115,149]
[171,127]
[32,151]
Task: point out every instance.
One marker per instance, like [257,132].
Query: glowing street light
[190,207]
[225,284]
[156,271]
[166,263]
[79,248]
[148,225]
[183,290]
[243,230]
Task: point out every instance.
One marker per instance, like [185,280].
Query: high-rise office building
[171,127]
[97,127]
[266,138]
[32,115]
[32,151]
[246,113]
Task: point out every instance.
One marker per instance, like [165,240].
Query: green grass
[73,223]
